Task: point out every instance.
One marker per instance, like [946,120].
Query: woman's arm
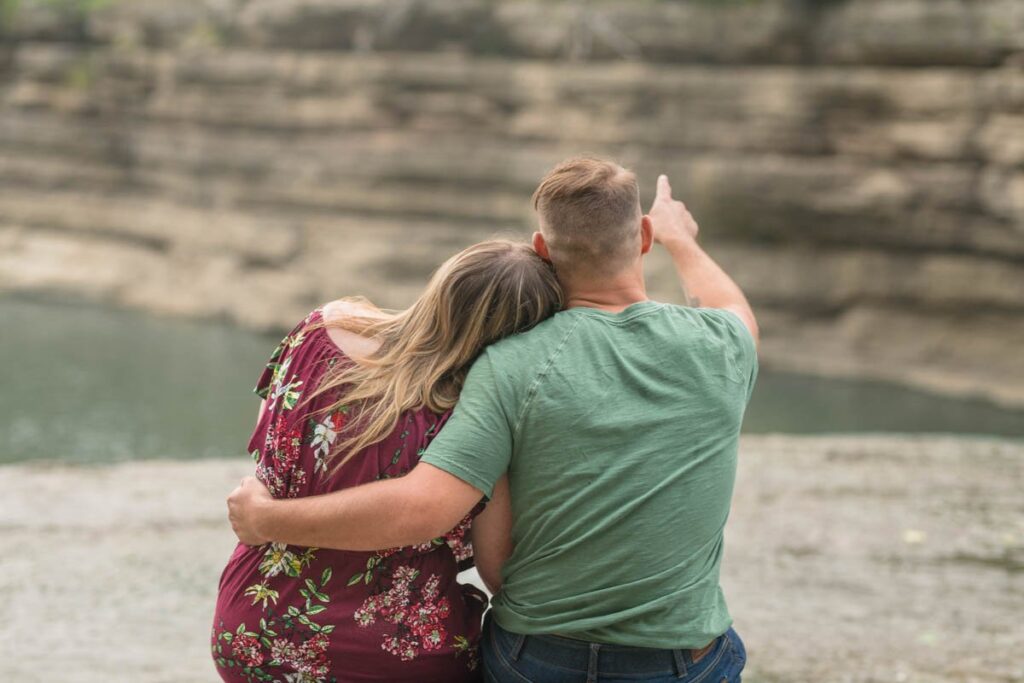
[492,536]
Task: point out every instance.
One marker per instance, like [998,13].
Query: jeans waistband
[582,655]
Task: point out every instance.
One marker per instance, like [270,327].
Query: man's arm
[422,505]
[492,536]
[704,280]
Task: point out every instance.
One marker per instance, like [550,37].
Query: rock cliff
[857,164]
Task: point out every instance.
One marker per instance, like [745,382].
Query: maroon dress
[301,615]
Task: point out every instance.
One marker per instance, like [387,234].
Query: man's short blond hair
[589,212]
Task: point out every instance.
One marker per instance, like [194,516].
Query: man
[617,421]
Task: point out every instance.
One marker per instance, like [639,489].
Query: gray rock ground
[849,559]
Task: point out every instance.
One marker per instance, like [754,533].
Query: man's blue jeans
[514,658]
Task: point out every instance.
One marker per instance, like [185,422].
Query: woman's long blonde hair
[484,293]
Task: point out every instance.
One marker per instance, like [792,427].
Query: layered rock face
[857,165]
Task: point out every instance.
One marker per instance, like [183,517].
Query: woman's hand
[245,505]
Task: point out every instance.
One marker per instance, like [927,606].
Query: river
[88,384]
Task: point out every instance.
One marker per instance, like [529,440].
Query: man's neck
[608,296]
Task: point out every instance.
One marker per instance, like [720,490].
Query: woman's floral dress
[288,614]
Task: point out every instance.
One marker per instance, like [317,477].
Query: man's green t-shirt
[619,432]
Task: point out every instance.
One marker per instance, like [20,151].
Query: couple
[533,412]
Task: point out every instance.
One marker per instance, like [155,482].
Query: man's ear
[541,247]
[646,234]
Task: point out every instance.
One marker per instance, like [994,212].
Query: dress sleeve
[291,340]
[266,377]
[476,443]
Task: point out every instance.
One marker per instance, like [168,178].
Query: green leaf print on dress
[290,639]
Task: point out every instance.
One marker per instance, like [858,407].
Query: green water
[87,384]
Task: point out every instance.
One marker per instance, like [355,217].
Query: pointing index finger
[664,189]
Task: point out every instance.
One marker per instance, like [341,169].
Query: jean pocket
[735,658]
[498,664]
[506,671]
[738,648]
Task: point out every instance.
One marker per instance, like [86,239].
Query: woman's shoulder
[350,307]
[350,342]
[337,310]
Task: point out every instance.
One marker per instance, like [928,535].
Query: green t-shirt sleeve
[475,444]
[735,336]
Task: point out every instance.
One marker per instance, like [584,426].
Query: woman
[352,395]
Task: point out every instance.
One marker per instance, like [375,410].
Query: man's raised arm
[704,281]
[422,505]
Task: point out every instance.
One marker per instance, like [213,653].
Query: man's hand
[704,282]
[244,506]
[417,507]
[671,221]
